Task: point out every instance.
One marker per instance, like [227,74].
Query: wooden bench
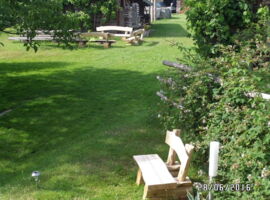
[104,38]
[40,36]
[127,33]
[37,38]
[81,42]
[166,180]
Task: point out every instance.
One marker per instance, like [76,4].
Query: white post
[213,159]
[213,162]
[152,11]
[155,10]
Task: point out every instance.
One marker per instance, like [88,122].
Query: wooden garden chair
[136,37]
[166,180]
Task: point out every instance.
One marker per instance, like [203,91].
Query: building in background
[177,5]
[133,13]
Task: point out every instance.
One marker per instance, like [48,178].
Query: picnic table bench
[127,33]
[166,180]
[38,38]
[42,35]
[118,31]
[81,42]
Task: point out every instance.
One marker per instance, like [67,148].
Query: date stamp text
[224,187]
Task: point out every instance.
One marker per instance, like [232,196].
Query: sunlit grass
[79,115]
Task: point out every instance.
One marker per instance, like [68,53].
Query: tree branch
[217,79]
[177,65]
[166,81]
[165,98]
[186,68]
[258,94]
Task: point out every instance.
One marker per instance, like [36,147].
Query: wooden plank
[172,154]
[138,32]
[121,35]
[155,172]
[105,43]
[145,191]
[139,179]
[174,193]
[185,165]
[131,38]
[186,182]
[177,145]
[34,39]
[97,34]
[114,28]
[127,30]
[111,41]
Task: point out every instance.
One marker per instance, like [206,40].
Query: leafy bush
[217,21]
[240,123]
[213,102]
[215,105]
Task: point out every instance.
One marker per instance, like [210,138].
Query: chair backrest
[178,148]
[127,30]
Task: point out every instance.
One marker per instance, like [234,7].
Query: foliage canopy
[64,17]
[215,96]
[221,110]
[218,21]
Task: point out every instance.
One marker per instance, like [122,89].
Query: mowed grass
[78,116]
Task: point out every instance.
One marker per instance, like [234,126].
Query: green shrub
[240,123]
[218,21]
[221,109]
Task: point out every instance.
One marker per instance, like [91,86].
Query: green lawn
[79,115]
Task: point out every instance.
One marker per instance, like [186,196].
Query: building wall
[131,13]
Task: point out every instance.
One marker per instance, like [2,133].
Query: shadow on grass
[84,117]
[28,67]
[151,44]
[168,30]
